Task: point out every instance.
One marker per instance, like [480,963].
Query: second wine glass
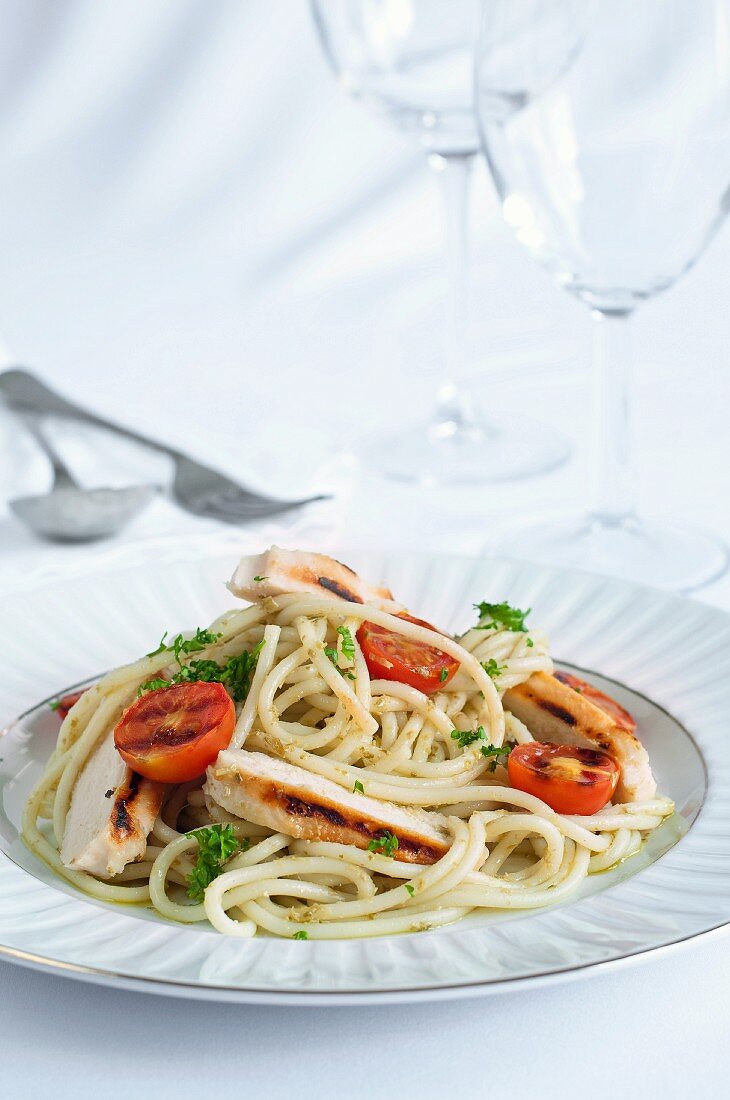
[412,61]
[606,125]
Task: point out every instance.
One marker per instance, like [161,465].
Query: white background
[201,236]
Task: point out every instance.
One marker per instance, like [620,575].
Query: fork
[197,488]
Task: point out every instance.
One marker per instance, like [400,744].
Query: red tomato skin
[535,768]
[67,701]
[390,656]
[172,734]
[604,702]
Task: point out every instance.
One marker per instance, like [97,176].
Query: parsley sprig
[348,650]
[181,644]
[386,844]
[492,668]
[154,684]
[494,754]
[501,616]
[216,845]
[235,675]
[348,643]
[468,737]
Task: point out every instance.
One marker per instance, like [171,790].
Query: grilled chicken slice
[290,800]
[553,711]
[111,814]
[281,571]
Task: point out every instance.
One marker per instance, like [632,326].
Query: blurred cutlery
[70,513]
[197,488]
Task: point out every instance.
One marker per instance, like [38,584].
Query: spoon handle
[62,476]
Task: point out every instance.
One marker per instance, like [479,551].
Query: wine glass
[606,126]
[412,61]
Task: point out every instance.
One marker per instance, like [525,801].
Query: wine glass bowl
[606,127]
[412,61]
[613,168]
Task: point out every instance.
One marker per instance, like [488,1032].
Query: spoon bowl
[81,515]
[72,514]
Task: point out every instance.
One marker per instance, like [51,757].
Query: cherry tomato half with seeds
[604,702]
[569,779]
[64,704]
[174,733]
[390,656]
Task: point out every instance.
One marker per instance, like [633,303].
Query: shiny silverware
[197,488]
[69,513]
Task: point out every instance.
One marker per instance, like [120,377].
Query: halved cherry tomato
[174,733]
[569,779]
[390,656]
[620,716]
[64,704]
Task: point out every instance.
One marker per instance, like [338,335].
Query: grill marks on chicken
[553,711]
[277,572]
[104,832]
[297,803]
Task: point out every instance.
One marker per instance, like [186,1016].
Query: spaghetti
[325,714]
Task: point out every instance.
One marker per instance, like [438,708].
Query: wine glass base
[656,553]
[472,454]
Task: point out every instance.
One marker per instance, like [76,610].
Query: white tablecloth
[204,238]
[655,1030]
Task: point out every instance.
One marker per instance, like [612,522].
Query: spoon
[72,514]
[197,488]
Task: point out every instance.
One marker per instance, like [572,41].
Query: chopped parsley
[331,652]
[494,752]
[200,640]
[235,675]
[238,672]
[501,616]
[153,685]
[216,845]
[409,888]
[55,704]
[208,671]
[161,647]
[386,844]
[259,579]
[182,645]
[444,675]
[358,787]
[468,737]
[348,644]
[302,935]
[492,668]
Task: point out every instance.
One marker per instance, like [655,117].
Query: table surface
[262,285]
[656,1029]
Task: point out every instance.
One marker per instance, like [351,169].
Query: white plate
[668,661]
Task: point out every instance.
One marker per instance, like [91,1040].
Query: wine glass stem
[613,498]
[454,410]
